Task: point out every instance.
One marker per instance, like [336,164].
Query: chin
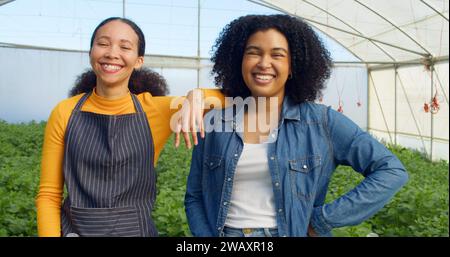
[262,93]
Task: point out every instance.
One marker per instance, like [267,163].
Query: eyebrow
[122,40]
[250,47]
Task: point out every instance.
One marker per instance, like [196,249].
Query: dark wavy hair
[141,81]
[310,61]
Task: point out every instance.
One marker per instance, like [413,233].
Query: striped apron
[109,174]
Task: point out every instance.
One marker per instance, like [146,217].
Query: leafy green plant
[420,208]
[172,170]
[20,151]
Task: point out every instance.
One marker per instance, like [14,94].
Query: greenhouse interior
[390,70]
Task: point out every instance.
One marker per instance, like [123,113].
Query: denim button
[247,230]
[304,166]
[225,203]
[280,210]
[277,184]
[229,179]
[235,155]
[272,158]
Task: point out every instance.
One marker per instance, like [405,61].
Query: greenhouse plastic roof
[378,31]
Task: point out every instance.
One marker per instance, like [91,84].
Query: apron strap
[82,100]
[137,104]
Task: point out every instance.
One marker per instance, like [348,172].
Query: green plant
[420,208]
[172,171]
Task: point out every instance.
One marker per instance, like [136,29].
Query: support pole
[431,114]
[395,104]
[123,8]
[381,108]
[198,43]
[368,98]
[413,116]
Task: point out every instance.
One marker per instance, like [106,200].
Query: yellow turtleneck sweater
[49,198]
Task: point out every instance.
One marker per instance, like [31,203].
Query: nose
[264,62]
[112,52]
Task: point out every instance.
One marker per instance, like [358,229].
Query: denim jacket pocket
[213,161]
[302,177]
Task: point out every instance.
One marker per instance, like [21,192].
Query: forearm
[51,182]
[361,203]
[48,216]
[384,175]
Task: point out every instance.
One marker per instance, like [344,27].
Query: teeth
[264,77]
[111,67]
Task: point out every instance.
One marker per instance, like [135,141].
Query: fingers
[186,122]
[177,134]
[191,119]
[187,140]
[194,136]
[202,130]
[199,110]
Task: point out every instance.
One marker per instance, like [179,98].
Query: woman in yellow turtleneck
[103,142]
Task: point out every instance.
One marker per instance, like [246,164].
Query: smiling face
[114,54]
[266,63]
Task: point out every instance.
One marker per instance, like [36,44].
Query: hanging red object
[340,107]
[434,104]
[426,107]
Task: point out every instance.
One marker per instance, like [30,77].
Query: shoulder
[67,105]
[148,100]
[59,118]
[313,112]
[61,112]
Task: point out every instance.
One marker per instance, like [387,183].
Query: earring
[290,76]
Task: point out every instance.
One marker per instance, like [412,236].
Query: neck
[111,93]
[269,104]
[261,120]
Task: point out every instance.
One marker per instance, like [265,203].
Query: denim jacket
[310,142]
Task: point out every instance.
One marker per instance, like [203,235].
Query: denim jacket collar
[288,111]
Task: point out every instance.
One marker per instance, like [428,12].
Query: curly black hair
[310,60]
[142,80]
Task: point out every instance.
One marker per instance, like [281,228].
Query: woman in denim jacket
[250,178]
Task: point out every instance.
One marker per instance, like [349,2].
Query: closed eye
[278,54]
[252,53]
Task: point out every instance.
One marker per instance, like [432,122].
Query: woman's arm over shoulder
[168,105]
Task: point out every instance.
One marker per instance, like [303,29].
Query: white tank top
[252,201]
